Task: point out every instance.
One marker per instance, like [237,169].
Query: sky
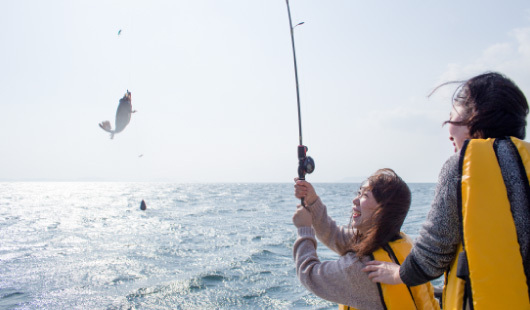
[214,87]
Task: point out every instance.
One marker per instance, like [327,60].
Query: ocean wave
[11,298]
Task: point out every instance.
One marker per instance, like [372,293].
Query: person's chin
[356,223]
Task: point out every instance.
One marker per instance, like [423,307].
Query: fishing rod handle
[301,173]
[302,199]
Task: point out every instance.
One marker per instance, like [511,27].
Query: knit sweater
[436,246]
[342,280]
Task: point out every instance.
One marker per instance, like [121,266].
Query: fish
[123,116]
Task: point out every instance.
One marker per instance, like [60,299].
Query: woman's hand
[303,189]
[302,217]
[383,272]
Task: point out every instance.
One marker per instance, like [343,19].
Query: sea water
[196,246]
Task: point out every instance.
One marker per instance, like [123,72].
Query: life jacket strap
[462,269]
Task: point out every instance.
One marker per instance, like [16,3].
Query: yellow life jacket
[487,272]
[401,296]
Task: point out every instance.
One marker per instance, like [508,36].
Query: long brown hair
[393,196]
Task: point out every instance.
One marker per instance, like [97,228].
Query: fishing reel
[306,164]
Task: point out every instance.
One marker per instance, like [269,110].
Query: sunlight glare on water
[89,246]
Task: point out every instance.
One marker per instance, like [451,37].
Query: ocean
[196,246]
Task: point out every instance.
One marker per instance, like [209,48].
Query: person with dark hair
[478,228]
[379,210]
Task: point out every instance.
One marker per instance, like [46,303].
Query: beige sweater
[340,281]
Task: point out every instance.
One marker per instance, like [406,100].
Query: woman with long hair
[379,210]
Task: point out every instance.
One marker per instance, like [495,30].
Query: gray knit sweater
[440,235]
[340,281]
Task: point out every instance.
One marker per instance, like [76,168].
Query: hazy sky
[213,84]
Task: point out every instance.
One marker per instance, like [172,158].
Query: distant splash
[229,246]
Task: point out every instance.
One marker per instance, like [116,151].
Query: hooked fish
[123,116]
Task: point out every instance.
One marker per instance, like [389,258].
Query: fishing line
[125,49]
[306,164]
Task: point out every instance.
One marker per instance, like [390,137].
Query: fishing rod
[306,164]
